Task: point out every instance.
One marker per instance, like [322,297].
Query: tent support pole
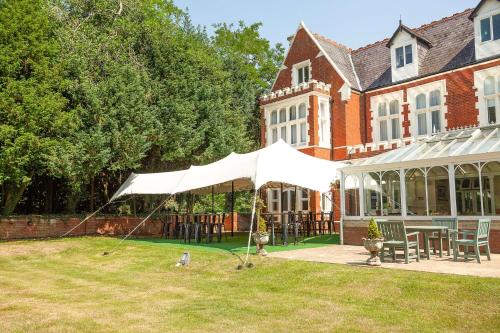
[212,200]
[232,209]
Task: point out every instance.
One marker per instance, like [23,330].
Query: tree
[253,64]
[33,119]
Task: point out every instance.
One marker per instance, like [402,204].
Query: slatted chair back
[450,222]
[483,229]
[392,230]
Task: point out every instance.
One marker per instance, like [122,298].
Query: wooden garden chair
[452,224]
[396,237]
[475,239]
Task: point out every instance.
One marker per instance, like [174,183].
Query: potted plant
[373,243]
[261,236]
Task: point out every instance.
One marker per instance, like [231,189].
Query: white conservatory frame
[450,150]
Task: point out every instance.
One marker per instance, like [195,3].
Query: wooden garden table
[426,230]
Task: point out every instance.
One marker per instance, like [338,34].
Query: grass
[67,285]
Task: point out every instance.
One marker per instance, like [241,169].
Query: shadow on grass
[237,244]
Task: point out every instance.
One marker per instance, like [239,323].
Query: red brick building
[338,103]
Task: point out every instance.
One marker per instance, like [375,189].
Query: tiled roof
[452,40]
[341,56]
[449,41]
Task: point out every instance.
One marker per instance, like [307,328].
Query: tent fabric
[278,162]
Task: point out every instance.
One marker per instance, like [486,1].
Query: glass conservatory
[453,173]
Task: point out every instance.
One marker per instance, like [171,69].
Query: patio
[357,255]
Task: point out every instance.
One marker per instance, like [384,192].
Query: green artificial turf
[238,243]
[67,285]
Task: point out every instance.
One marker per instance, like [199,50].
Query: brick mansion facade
[338,103]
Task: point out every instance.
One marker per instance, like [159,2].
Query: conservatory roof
[467,145]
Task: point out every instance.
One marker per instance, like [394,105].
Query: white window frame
[287,124]
[295,72]
[376,119]
[426,89]
[324,123]
[490,17]
[482,98]
[405,61]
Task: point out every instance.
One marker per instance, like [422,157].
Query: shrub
[373,231]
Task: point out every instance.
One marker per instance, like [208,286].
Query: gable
[301,49]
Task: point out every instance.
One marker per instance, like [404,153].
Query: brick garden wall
[36,226]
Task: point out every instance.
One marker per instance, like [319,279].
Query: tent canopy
[277,163]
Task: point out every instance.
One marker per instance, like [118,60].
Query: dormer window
[404,56]
[490,28]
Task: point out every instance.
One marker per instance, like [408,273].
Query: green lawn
[68,286]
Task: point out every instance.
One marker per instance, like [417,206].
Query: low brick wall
[354,231]
[34,226]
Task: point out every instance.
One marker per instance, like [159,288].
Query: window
[302,74]
[404,56]
[422,124]
[485,30]
[289,124]
[324,124]
[275,135]
[408,54]
[383,130]
[491,97]
[302,110]
[388,123]
[293,113]
[282,115]
[400,60]
[274,117]
[283,133]
[428,112]
[421,101]
[293,134]
[490,28]
[303,133]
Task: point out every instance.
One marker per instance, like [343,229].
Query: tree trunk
[49,195]
[92,194]
[72,201]
[12,194]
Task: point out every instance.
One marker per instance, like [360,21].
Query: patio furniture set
[298,225]
[398,236]
[194,227]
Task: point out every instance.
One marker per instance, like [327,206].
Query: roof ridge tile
[331,41]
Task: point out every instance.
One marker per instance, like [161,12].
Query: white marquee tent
[278,163]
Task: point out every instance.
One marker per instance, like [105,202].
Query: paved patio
[357,255]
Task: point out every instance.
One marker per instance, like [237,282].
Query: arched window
[489,85]
[293,112]
[282,115]
[421,101]
[394,107]
[274,117]
[302,110]
[382,109]
[435,98]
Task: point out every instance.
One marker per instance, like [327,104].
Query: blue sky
[351,22]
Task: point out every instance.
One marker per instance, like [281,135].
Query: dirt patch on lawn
[32,248]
